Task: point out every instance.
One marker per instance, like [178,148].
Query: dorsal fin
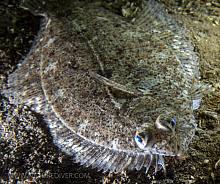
[200,89]
[154,18]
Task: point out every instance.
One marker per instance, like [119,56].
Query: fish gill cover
[117,94]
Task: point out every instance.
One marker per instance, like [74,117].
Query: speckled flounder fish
[117,94]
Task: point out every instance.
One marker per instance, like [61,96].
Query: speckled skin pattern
[149,57]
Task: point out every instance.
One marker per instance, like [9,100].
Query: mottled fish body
[115,93]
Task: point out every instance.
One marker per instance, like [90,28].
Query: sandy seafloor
[27,152]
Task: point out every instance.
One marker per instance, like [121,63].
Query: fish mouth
[170,148]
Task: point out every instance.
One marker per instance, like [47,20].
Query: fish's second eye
[138,138]
[173,122]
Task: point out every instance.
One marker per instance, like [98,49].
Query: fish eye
[138,138]
[173,122]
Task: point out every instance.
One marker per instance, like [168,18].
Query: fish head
[161,136]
